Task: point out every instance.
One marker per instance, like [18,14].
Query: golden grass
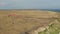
[24,20]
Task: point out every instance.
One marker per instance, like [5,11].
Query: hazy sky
[29,4]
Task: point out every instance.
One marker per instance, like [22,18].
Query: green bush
[53,29]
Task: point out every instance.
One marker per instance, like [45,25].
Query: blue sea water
[55,10]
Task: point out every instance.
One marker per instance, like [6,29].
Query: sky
[29,4]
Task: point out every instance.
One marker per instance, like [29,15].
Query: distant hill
[55,10]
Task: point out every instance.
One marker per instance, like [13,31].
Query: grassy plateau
[22,21]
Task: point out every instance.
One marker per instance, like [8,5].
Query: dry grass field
[22,21]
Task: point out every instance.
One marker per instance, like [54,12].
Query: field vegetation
[21,21]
